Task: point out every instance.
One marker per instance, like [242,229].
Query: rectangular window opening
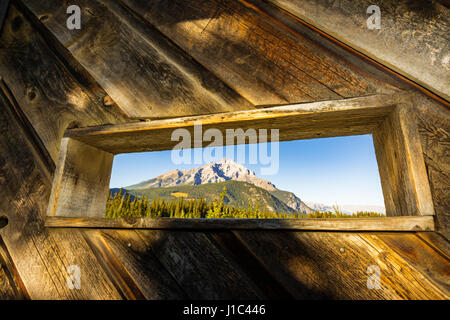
[337,160]
[317,178]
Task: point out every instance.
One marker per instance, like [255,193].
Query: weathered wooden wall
[412,40]
[434,127]
[426,41]
[128,63]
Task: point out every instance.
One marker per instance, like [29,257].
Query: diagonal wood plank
[47,91]
[412,54]
[153,280]
[231,246]
[198,266]
[334,265]
[63,248]
[7,290]
[11,286]
[41,257]
[422,257]
[437,242]
[405,275]
[263,61]
[113,43]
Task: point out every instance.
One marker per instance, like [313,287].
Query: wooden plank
[49,92]
[401,165]
[422,257]
[299,121]
[24,194]
[433,121]
[137,260]
[7,291]
[64,248]
[81,182]
[114,44]
[416,55]
[418,223]
[199,266]
[385,79]
[316,265]
[40,257]
[11,286]
[231,246]
[41,156]
[113,267]
[425,267]
[437,242]
[264,62]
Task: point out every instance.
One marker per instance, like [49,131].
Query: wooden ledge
[353,116]
[422,223]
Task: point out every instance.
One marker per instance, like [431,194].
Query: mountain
[214,172]
[292,201]
[320,207]
[208,181]
[242,184]
[238,194]
[347,209]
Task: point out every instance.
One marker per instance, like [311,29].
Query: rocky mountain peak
[213,172]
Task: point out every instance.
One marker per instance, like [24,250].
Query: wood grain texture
[7,291]
[421,257]
[41,157]
[437,242]
[199,267]
[40,81]
[52,99]
[262,61]
[424,223]
[240,58]
[141,265]
[433,121]
[413,39]
[40,257]
[81,183]
[233,248]
[334,265]
[113,44]
[11,286]
[383,78]
[401,165]
[70,248]
[298,121]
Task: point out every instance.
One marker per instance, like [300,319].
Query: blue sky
[341,170]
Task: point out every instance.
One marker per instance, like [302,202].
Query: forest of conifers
[122,205]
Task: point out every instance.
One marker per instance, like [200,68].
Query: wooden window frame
[81,181]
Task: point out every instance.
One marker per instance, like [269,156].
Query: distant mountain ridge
[347,209]
[211,175]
